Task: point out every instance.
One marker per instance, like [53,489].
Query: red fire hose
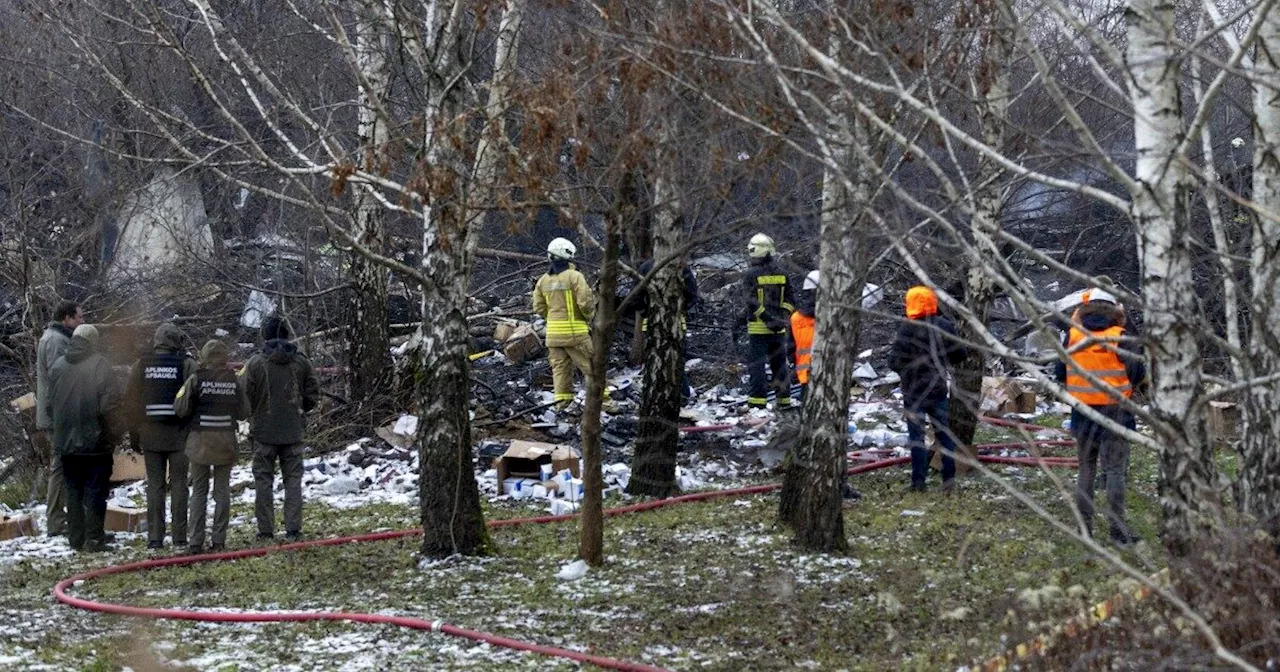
[60,590]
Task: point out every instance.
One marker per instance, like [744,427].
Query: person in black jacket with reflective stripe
[766,312]
[153,386]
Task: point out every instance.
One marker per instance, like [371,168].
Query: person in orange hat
[926,343]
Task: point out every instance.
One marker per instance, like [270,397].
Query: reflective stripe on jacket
[802,327]
[771,297]
[1097,356]
[567,302]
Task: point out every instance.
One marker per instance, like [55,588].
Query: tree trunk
[369,339]
[452,521]
[812,502]
[1188,492]
[986,203]
[1260,470]
[653,470]
[591,539]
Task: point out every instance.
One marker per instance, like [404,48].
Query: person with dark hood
[214,400]
[690,291]
[53,344]
[924,347]
[1097,347]
[153,386]
[766,314]
[82,404]
[281,388]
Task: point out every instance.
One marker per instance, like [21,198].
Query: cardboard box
[120,519]
[128,467]
[1001,396]
[1224,421]
[503,330]
[524,459]
[12,527]
[523,344]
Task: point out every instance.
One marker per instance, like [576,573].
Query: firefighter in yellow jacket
[563,297]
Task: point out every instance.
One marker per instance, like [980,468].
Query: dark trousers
[175,485]
[936,411]
[88,480]
[768,350]
[199,513]
[1095,443]
[265,456]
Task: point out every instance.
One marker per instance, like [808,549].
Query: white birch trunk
[369,338]
[1160,215]
[1260,471]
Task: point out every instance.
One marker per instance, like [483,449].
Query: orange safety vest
[802,331]
[1100,358]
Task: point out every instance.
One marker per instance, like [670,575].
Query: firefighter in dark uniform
[153,385]
[766,310]
[215,400]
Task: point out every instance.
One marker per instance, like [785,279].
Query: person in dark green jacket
[83,404]
[53,344]
[281,387]
[153,385]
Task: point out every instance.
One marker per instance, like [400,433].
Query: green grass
[713,582]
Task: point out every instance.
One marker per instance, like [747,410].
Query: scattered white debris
[572,571]
[912,513]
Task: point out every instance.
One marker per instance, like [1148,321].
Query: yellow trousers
[570,352]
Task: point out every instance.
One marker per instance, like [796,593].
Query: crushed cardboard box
[120,519]
[12,527]
[128,466]
[523,344]
[1002,396]
[525,459]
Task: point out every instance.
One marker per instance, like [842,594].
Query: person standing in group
[153,386]
[281,388]
[766,312]
[1097,347]
[214,401]
[925,344]
[803,323]
[82,404]
[564,299]
[53,344]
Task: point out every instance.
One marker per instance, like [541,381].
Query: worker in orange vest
[803,322]
[1096,348]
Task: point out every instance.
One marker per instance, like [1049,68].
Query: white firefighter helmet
[561,249]
[760,246]
[811,280]
[1097,294]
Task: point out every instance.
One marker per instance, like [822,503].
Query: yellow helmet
[760,246]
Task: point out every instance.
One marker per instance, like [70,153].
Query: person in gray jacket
[281,387]
[214,401]
[153,385]
[83,401]
[53,344]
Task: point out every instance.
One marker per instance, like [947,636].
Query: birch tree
[369,340]
[1260,472]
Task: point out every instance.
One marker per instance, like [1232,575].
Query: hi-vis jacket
[567,302]
[1099,358]
[802,327]
[767,298]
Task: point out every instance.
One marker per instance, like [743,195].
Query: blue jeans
[936,412]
